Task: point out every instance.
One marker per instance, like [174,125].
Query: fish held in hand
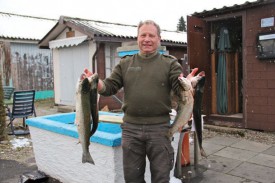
[185,102]
[85,116]
[198,96]
[185,106]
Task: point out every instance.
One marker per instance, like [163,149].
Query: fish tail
[87,158]
[203,154]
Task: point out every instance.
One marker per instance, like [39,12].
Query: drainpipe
[94,70]
[94,57]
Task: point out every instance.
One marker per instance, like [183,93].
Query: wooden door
[72,62]
[198,49]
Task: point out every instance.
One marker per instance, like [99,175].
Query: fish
[94,103]
[186,101]
[185,106]
[198,95]
[86,114]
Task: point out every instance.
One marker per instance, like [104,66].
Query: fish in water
[185,106]
[85,116]
[198,95]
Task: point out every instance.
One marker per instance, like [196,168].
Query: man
[148,78]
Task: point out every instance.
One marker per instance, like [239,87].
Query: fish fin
[87,159]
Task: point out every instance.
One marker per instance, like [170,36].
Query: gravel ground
[256,136]
[23,154]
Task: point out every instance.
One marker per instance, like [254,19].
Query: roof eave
[52,34]
[231,9]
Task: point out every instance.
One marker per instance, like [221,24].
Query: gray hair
[148,22]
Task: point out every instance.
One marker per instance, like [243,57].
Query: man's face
[148,39]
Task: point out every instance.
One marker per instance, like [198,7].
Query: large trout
[185,106]
[198,95]
[188,105]
[86,113]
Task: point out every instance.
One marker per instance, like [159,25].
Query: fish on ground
[86,113]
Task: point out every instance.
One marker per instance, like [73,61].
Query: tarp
[223,46]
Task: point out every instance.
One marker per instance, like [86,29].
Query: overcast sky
[165,12]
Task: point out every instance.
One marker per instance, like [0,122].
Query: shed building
[235,46]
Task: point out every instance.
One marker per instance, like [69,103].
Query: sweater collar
[147,56]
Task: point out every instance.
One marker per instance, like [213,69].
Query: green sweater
[147,82]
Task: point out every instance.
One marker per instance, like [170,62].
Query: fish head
[185,83]
[85,86]
[82,85]
[195,80]
[200,84]
[93,79]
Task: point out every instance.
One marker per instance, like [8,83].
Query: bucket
[185,155]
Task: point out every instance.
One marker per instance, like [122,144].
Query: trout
[185,102]
[185,106]
[198,95]
[85,114]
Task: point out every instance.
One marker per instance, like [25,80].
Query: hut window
[266,46]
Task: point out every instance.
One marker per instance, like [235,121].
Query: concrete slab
[221,140]
[211,148]
[11,170]
[237,154]
[251,146]
[210,176]
[270,151]
[254,172]
[220,164]
[264,159]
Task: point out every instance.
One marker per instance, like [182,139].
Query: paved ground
[233,161]
[230,160]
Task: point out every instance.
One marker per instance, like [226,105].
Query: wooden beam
[111,119]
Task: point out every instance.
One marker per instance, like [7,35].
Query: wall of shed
[68,64]
[260,84]
[25,66]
